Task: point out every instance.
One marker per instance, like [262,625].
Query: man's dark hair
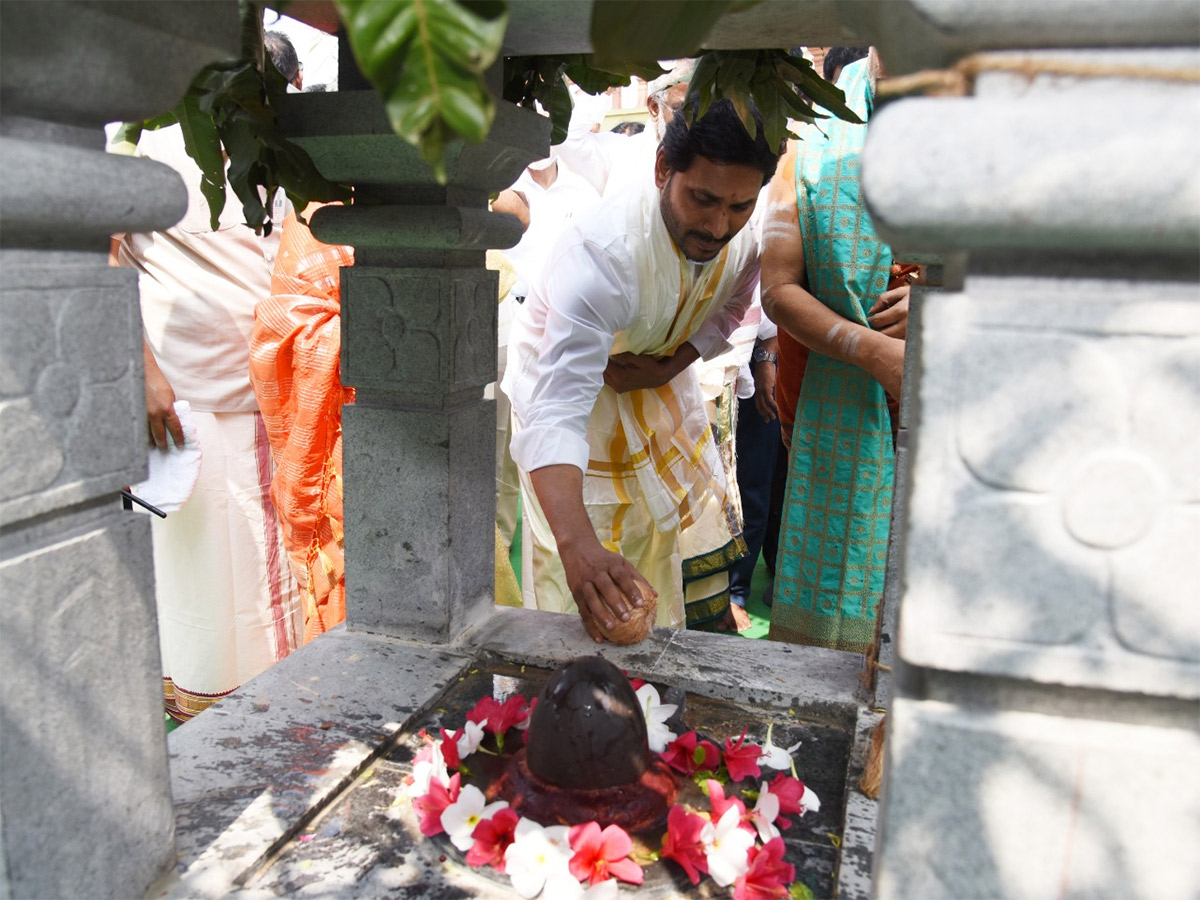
[719,136]
[840,57]
[283,54]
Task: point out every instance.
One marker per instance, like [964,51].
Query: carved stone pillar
[418,345]
[1043,739]
[83,770]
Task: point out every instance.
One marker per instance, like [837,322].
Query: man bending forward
[610,431]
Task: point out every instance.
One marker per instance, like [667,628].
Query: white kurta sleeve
[587,294]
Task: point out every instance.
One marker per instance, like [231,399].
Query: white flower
[656,713]
[536,855]
[726,847]
[809,801]
[428,770]
[765,811]
[564,887]
[460,818]
[470,738]
[777,757]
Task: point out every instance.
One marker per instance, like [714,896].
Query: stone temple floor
[260,769]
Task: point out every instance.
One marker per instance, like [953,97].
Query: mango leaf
[427,58]
[245,172]
[801,73]
[229,111]
[539,79]
[662,29]
[596,79]
[782,86]
[203,145]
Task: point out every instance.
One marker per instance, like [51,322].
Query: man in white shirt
[611,435]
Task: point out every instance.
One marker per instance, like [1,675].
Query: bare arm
[604,584]
[515,204]
[764,382]
[800,313]
[160,403]
[634,371]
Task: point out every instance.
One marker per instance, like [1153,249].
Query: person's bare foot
[737,619]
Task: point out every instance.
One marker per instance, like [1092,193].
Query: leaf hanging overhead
[427,59]
[228,112]
[783,87]
[540,78]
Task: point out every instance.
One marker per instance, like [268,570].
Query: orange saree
[295,371]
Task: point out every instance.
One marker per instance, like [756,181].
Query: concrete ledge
[253,769]
[814,682]
[855,861]
[1036,172]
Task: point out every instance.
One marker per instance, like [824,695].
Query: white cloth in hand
[174,471]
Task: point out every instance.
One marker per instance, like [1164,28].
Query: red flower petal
[430,806]
[492,838]
[790,792]
[768,876]
[720,803]
[627,870]
[450,748]
[741,759]
[615,843]
[680,754]
[682,842]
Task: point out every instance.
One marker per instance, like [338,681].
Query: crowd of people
[701,345]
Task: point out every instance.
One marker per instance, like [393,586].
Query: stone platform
[287,787]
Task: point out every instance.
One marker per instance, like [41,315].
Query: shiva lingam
[587,757]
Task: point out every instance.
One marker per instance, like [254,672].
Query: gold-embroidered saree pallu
[652,462]
[833,545]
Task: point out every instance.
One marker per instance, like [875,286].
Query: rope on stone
[959,79]
[872,777]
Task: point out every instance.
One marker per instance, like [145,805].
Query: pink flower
[431,806]
[600,855]
[720,804]
[768,876]
[689,755]
[682,842]
[741,759]
[492,838]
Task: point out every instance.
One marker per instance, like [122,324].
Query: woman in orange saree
[294,351]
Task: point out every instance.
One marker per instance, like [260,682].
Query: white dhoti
[228,607]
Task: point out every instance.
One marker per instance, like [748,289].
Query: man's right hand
[160,404]
[604,584]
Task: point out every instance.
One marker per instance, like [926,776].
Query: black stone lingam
[587,757]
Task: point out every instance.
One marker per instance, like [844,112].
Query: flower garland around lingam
[736,846]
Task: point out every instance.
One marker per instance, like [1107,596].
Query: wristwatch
[760,355]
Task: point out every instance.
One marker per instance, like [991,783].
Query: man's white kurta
[615,282]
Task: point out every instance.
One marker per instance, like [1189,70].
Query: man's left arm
[637,371]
